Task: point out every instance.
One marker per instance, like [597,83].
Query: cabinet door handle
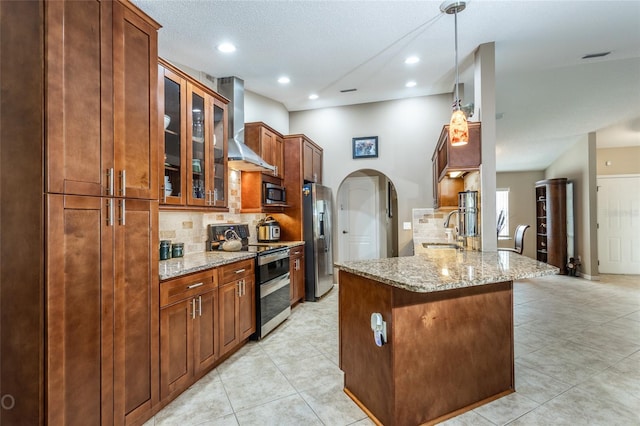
[109,212]
[238,289]
[193,308]
[239,271]
[200,305]
[194,285]
[121,219]
[244,287]
[123,182]
[110,181]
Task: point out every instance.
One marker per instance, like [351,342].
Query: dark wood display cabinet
[194,154]
[79,178]
[551,222]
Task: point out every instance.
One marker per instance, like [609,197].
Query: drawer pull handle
[194,285]
[239,271]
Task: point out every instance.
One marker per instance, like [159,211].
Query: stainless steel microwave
[273,194]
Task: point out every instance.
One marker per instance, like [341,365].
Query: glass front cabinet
[195,142]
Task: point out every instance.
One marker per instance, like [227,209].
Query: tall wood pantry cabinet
[551,222]
[302,164]
[79,179]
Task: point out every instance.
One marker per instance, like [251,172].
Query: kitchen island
[449,332]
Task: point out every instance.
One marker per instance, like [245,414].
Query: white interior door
[619,225]
[359,219]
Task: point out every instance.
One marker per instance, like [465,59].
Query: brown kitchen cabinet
[268,144]
[118,163]
[551,222]
[296,272]
[89,140]
[462,158]
[188,330]
[94,51]
[102,308]
[303,160]
[194,154]
[311,160]
[237,304]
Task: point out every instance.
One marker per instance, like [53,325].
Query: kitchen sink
[441,246]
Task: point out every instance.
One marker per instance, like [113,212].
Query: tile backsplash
[190,228]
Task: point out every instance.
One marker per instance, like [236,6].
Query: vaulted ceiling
[547,96]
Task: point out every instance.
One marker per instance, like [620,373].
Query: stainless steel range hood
[239,155]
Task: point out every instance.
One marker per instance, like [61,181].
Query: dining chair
[518,240]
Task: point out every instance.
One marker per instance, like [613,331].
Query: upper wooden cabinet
[311,160]
[268,144]
[101,100]
[302,163]
[194,141]
[458,158]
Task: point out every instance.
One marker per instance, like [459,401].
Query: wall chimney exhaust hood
[239,155]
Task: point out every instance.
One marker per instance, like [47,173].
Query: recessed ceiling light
[313,96]
[284,80]
[412,60]
[411,84]
[226,47]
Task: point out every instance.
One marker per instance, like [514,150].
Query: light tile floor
[577,348]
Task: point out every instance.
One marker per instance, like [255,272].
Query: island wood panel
[368,368]
[447,351]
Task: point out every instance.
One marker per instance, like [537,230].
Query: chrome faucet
[446,222]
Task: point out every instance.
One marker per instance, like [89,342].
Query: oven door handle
[263,259]
[274,285]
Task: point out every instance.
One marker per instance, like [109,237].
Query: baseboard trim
[589,277]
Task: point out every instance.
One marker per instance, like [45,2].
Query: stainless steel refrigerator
[318,250]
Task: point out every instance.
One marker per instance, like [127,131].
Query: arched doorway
[366,223]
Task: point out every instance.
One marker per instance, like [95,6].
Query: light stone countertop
[446,269]
[176,267]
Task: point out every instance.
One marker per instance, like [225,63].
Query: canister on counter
[177,249]
[165,249]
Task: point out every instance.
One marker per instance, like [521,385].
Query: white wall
[260,108]
[407,131]
[578,164]
[522,206]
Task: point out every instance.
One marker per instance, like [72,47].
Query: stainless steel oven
[272,276]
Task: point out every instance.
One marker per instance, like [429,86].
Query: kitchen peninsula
[449,332]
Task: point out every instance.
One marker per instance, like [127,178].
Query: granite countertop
[446,269]
[195,262]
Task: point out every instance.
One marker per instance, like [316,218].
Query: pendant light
[458,127]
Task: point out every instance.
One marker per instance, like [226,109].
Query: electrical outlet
[406,225]
[579,259]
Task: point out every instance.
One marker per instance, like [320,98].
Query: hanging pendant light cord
[457,100]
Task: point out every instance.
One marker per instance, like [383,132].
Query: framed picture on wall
[366,147]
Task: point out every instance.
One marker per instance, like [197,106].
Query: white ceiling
[548,96]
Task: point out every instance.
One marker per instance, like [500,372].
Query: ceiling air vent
[595,55]
[348,90]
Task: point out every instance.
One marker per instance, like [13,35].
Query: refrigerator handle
[321,224]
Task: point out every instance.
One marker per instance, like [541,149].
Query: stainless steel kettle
[268,230]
